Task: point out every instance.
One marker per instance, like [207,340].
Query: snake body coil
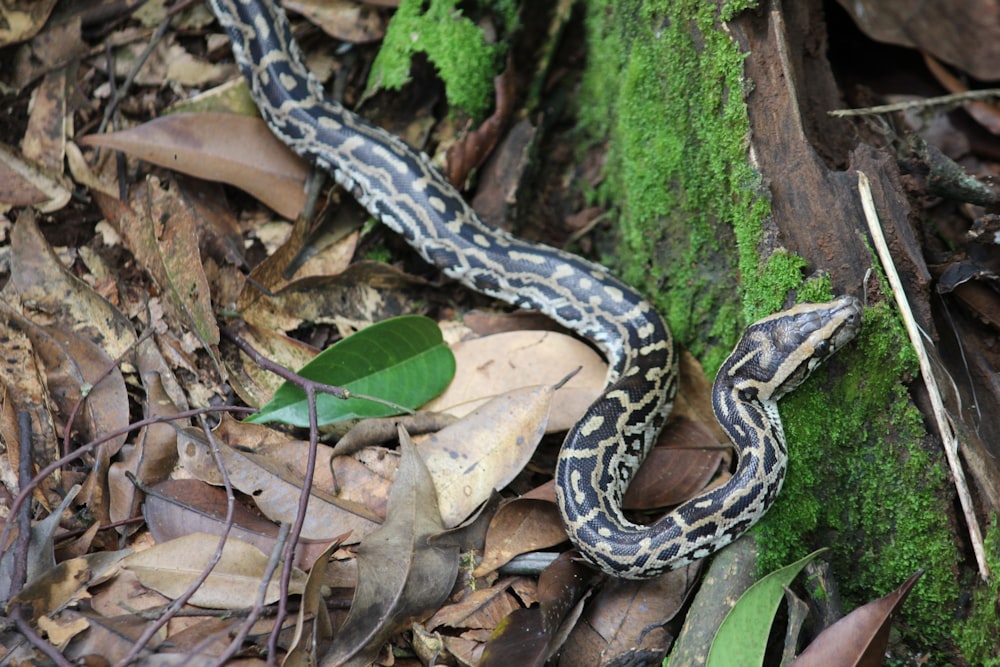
[399,186]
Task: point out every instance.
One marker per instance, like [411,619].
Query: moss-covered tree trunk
[738,194]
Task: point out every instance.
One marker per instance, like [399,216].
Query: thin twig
[927,102]
[945,431]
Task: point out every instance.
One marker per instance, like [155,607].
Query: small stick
[948,437]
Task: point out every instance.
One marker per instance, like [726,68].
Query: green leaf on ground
[742,637]
[403,362]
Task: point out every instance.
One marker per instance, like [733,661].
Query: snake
[599,457]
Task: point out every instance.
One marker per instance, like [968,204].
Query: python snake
[399,186]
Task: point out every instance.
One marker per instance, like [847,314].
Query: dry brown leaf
[625,622]
[22,20]
[160,230]
[683,462]
[484,451]
[860,638]
[493,365]
[524,524]
[68,581]
[304,648]
[150,459]
[109,637]
[44,141]
[238,150]
[24,183]
[45,285]
[24,389]
[402,573]
[530,636]
[183,506]
[344,19]
[482,608]
[172,567]
[275,489]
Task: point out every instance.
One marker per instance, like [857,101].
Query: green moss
[865,479]
[456,46]
[977,636]
[663,85]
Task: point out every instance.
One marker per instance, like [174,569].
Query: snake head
[778,352]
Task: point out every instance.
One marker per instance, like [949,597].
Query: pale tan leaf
[344,19]
[492,365]
[238,150]
[23,20]
[68,581]
[172,567]
[275,489]
[304,648]
[179,507]
[23,183]
[480,454]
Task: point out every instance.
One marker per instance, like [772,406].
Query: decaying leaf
[179,507]
[492,365]
[275,489]
[483,452]
[860,638]
[530,636]
[238,150]
[402,574]
[172,567]
[528,523]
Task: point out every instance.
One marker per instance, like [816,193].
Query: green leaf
[742,637]
[402,361]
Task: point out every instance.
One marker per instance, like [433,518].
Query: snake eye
[821,348]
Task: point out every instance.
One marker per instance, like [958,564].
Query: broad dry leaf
[45,285]
[74,364]
[179,507]
[403,573]
[860,638]
[627,618]
[41,550]
[530,636]
[172,567]
[24,183]
[233,149]
[528,523]
[346,20]
[109,637]
[275,489]
[480,454]
[492,365]
[68,581]
[160,230]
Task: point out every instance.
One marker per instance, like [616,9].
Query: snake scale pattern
[399,186]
